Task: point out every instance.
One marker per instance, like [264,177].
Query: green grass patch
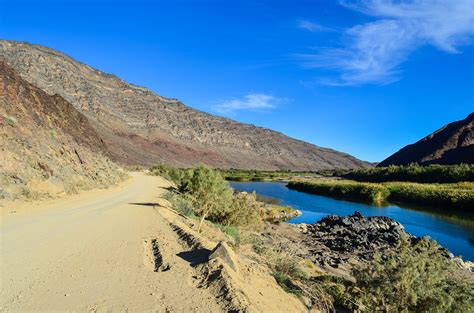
[434,173]
[285,282]
[458,196]
[282,208]
[373,193]
[231,231]
[239,175]
[452,196]
[180,204]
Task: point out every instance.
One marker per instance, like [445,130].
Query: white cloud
[373,52]
[252,102]
[313,27]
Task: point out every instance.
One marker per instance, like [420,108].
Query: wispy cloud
[373,52]
[251,102]
[313,27]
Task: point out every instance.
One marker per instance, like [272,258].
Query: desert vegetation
[434,173]
[239,175]
[208,193]
[373,193]
[203,192]
[458,196]
[294,274]
[415,276]
[11,120]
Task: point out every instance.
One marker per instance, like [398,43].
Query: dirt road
[97,252]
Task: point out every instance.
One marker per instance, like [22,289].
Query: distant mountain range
[451,144]
[139,127]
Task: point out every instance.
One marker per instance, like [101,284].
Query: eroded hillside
[141,127]
[47,146]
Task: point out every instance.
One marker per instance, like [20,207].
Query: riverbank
[458,196]
[321,262]
[320,278]
[434,173]
[452,230]
[256,175]
[338,250]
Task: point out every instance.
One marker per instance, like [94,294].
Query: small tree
[210,194]
[245,211]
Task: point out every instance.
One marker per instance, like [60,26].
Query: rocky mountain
[47,146]
[451,144]
[140,127]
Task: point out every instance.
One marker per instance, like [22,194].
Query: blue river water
[454,233]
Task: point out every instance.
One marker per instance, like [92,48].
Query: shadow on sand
[195,257]
[153,204]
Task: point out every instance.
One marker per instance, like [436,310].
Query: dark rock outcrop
[140,127]
[452,144]
[335,239]
[355,232]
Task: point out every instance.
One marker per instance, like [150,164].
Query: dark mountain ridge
[451,144]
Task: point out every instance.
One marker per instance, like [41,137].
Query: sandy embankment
[114,250]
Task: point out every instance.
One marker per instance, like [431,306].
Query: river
[454,233]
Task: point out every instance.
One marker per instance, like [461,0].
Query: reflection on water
[452,231]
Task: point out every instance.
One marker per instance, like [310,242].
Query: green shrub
[26,192]
[244,211]
[180,176]
[10,120]
[207,194]
[259,247]
[179,203]
[289,266]
[210,195]
[413,278]
[289,275]
[339,292]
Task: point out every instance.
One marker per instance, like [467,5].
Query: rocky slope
[451,144]
[141,127]
[47,146]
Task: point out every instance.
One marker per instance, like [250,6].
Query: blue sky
[363,77]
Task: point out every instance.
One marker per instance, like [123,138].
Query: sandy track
[97,252]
